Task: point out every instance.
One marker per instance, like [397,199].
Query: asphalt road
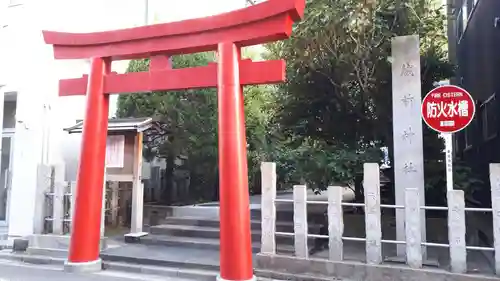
[17,271]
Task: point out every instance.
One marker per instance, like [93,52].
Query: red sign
[448,109]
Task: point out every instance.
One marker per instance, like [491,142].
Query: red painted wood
[235,239]
[160,63]
[251,73]
[86,223]
[257,24]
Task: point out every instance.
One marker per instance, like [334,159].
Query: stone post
[456,231]
[42,186]
[335,223]
[407,129]
[300,220]
[371,186]
[58,200]
[495,205]
[268,208]
[412,228]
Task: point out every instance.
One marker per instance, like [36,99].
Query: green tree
[336,105]
[190,118]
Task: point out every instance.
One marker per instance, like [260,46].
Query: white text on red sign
[448,109]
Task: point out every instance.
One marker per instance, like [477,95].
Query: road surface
[17,271]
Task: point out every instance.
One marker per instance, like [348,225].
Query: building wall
[28,68]
[478,58]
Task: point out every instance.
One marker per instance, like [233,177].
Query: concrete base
[52,241]
[222,279]
[402,260]
[81,267]
[358,271]
[134,237]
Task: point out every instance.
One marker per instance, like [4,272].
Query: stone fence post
[373,224]
[495,205]
[300,220]
[268,208]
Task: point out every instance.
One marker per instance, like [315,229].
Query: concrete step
[153,255]
[209,232]
[281,226]
[202,243]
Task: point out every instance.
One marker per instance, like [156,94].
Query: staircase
[188,246]
[204,233]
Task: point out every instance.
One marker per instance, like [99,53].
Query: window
[465,15]
[489,116]
[468,136]
[459,26]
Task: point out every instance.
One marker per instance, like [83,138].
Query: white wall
[27,67]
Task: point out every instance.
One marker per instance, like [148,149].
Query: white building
[31,112]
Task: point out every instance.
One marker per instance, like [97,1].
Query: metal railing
[414,242]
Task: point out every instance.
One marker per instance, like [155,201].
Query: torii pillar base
[83,267]
[222,279]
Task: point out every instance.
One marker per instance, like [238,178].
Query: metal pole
[448,143]
[235,238]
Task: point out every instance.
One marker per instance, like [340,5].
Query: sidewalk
[19,271]
[11,270]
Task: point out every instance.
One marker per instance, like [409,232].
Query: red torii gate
[226,33]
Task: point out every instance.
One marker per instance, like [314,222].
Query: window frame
[489,104]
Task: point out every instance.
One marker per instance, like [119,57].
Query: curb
[275,275]
[32,259]
[197,274]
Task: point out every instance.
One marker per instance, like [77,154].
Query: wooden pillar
[137,190]
[114,186]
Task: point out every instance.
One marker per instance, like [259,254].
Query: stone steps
[281,226]
[204,233]
[202,243]
[173,269]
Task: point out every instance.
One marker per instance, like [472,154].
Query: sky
[100,15]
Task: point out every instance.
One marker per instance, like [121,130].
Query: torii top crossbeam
[265,22]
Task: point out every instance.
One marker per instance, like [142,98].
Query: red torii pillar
[226,33]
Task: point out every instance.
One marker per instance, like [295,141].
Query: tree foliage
[337,99]
[190,117]
[333,113]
